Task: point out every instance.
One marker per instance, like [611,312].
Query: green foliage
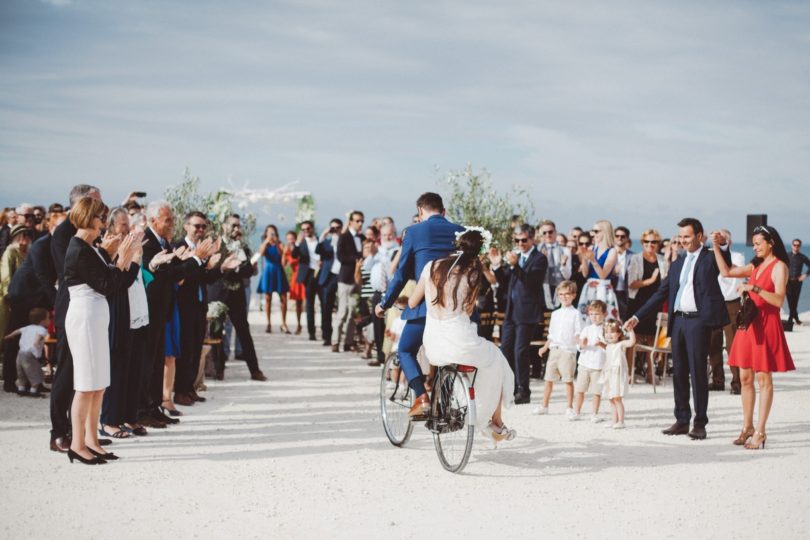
[305,210]
[472,199]
[185,197]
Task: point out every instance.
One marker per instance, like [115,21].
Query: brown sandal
[745,434]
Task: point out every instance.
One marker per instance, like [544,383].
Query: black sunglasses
[548,232]
[620,235]
[521,240]
[585,244]
[199,225]
[649,241]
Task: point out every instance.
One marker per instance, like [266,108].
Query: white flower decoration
[485,235]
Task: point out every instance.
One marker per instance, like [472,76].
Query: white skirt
[87,326]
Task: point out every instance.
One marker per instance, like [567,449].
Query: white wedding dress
[451,338]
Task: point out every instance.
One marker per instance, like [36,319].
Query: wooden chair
[661,345]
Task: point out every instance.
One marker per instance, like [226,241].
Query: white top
[335,263]
[314,258]
[591,356]
[28,339]
[565,326]
[375,266]
[621,269]
[728,285]
[138,307]
[687,291]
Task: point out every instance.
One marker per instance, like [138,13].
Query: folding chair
[661,345]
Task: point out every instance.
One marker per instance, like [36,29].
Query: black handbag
[747,313]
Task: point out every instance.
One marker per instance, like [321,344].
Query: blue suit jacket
[711,306]
[327,253]
[304,261]
[432,239]
[525,300]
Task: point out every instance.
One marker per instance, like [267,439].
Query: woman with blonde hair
[597,266]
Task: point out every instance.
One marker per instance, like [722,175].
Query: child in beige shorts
[591,359]
[563,332]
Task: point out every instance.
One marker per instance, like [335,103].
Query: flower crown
[485,235]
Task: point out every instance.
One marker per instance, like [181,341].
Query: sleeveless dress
[762,346]
[297,290]
[598,289]
[614,373]
[173,327]
[451,338]
[273,278]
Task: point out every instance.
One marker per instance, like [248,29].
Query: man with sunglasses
[622,242]
[309,262]
[559,261]
[525,303]
[349,251]
[797,260]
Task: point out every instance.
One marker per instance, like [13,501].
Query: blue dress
[173,328]
[273,278]
[598,289]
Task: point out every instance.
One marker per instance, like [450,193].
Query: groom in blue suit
[432,238]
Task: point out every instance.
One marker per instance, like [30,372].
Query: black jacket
[348,255]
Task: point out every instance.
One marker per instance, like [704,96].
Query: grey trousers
[29,372]
[345,307]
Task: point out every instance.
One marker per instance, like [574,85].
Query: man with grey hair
[728,286]
[62,388]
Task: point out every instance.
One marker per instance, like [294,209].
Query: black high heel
[109,456]
[94,461]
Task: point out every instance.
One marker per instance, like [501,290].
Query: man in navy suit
[525,303]
[432,238]
[696,306]
[308,266]
[328,276]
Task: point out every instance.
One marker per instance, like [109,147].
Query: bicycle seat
[465,369]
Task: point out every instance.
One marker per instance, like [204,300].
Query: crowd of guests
[119,306]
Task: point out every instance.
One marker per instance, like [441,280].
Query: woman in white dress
[450,287]
[90,279]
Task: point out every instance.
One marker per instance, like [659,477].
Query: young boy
[591,359]
[563,333]
[32,342]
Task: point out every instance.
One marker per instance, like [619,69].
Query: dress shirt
[357,243]
[729,285]
[314,258]
[564,328]
[622,259]
[591,356]
[523,257]
[687,295]
[797,261]
[335,263]
[138,306]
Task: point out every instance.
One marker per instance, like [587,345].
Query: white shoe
[618,425]
[595,419]
[609,426]
[540,410]
[570,414]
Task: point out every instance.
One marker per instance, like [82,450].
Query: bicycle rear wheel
[395,402]
[452,431]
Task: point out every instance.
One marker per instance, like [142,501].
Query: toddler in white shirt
[32,343]
[591,360]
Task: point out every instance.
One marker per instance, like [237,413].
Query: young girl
[614,374]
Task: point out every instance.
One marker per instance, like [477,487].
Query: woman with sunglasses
[645,272]
[582,244]
[596,266]
[273,278]
[760,348]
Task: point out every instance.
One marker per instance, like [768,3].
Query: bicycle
[451,418]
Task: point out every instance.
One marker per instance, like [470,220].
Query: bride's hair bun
[470,243]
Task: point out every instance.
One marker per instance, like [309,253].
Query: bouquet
[217,311]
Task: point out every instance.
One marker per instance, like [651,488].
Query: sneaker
[540,410]
[609,425]
[570,414]
[618,425]
[595,419]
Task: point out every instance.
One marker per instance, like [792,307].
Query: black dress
[646,327]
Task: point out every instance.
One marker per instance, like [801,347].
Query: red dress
[762,346]
[297,290]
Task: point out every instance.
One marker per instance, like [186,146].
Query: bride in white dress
[450,288]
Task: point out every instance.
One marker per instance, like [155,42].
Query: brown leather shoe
[149,421]
[698,433]
[335,348]
[257,376]
[220,376]
[676,429]
[60,444]
[421,406]
[196,397]
[183,399]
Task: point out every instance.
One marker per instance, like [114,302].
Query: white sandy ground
[304,456]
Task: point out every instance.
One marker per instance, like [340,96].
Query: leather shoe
[220,376]
[312,338]
[421,407]
[735,390]
[165,419]
[521,398]
[717,387]
[149,421]
[60,444]
[257,376]
[196,397]
[183,399]
[335,348]
[676,429]
[104,442]
[698,433]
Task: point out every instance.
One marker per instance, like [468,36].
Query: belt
[735,301]
[686,314]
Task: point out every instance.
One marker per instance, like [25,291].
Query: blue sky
[640,112]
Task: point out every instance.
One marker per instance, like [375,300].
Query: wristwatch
[755,289]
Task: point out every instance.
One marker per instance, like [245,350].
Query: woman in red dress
[761,348]
[297,291]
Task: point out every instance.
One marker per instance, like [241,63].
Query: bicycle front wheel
[396,399]
[453,430]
